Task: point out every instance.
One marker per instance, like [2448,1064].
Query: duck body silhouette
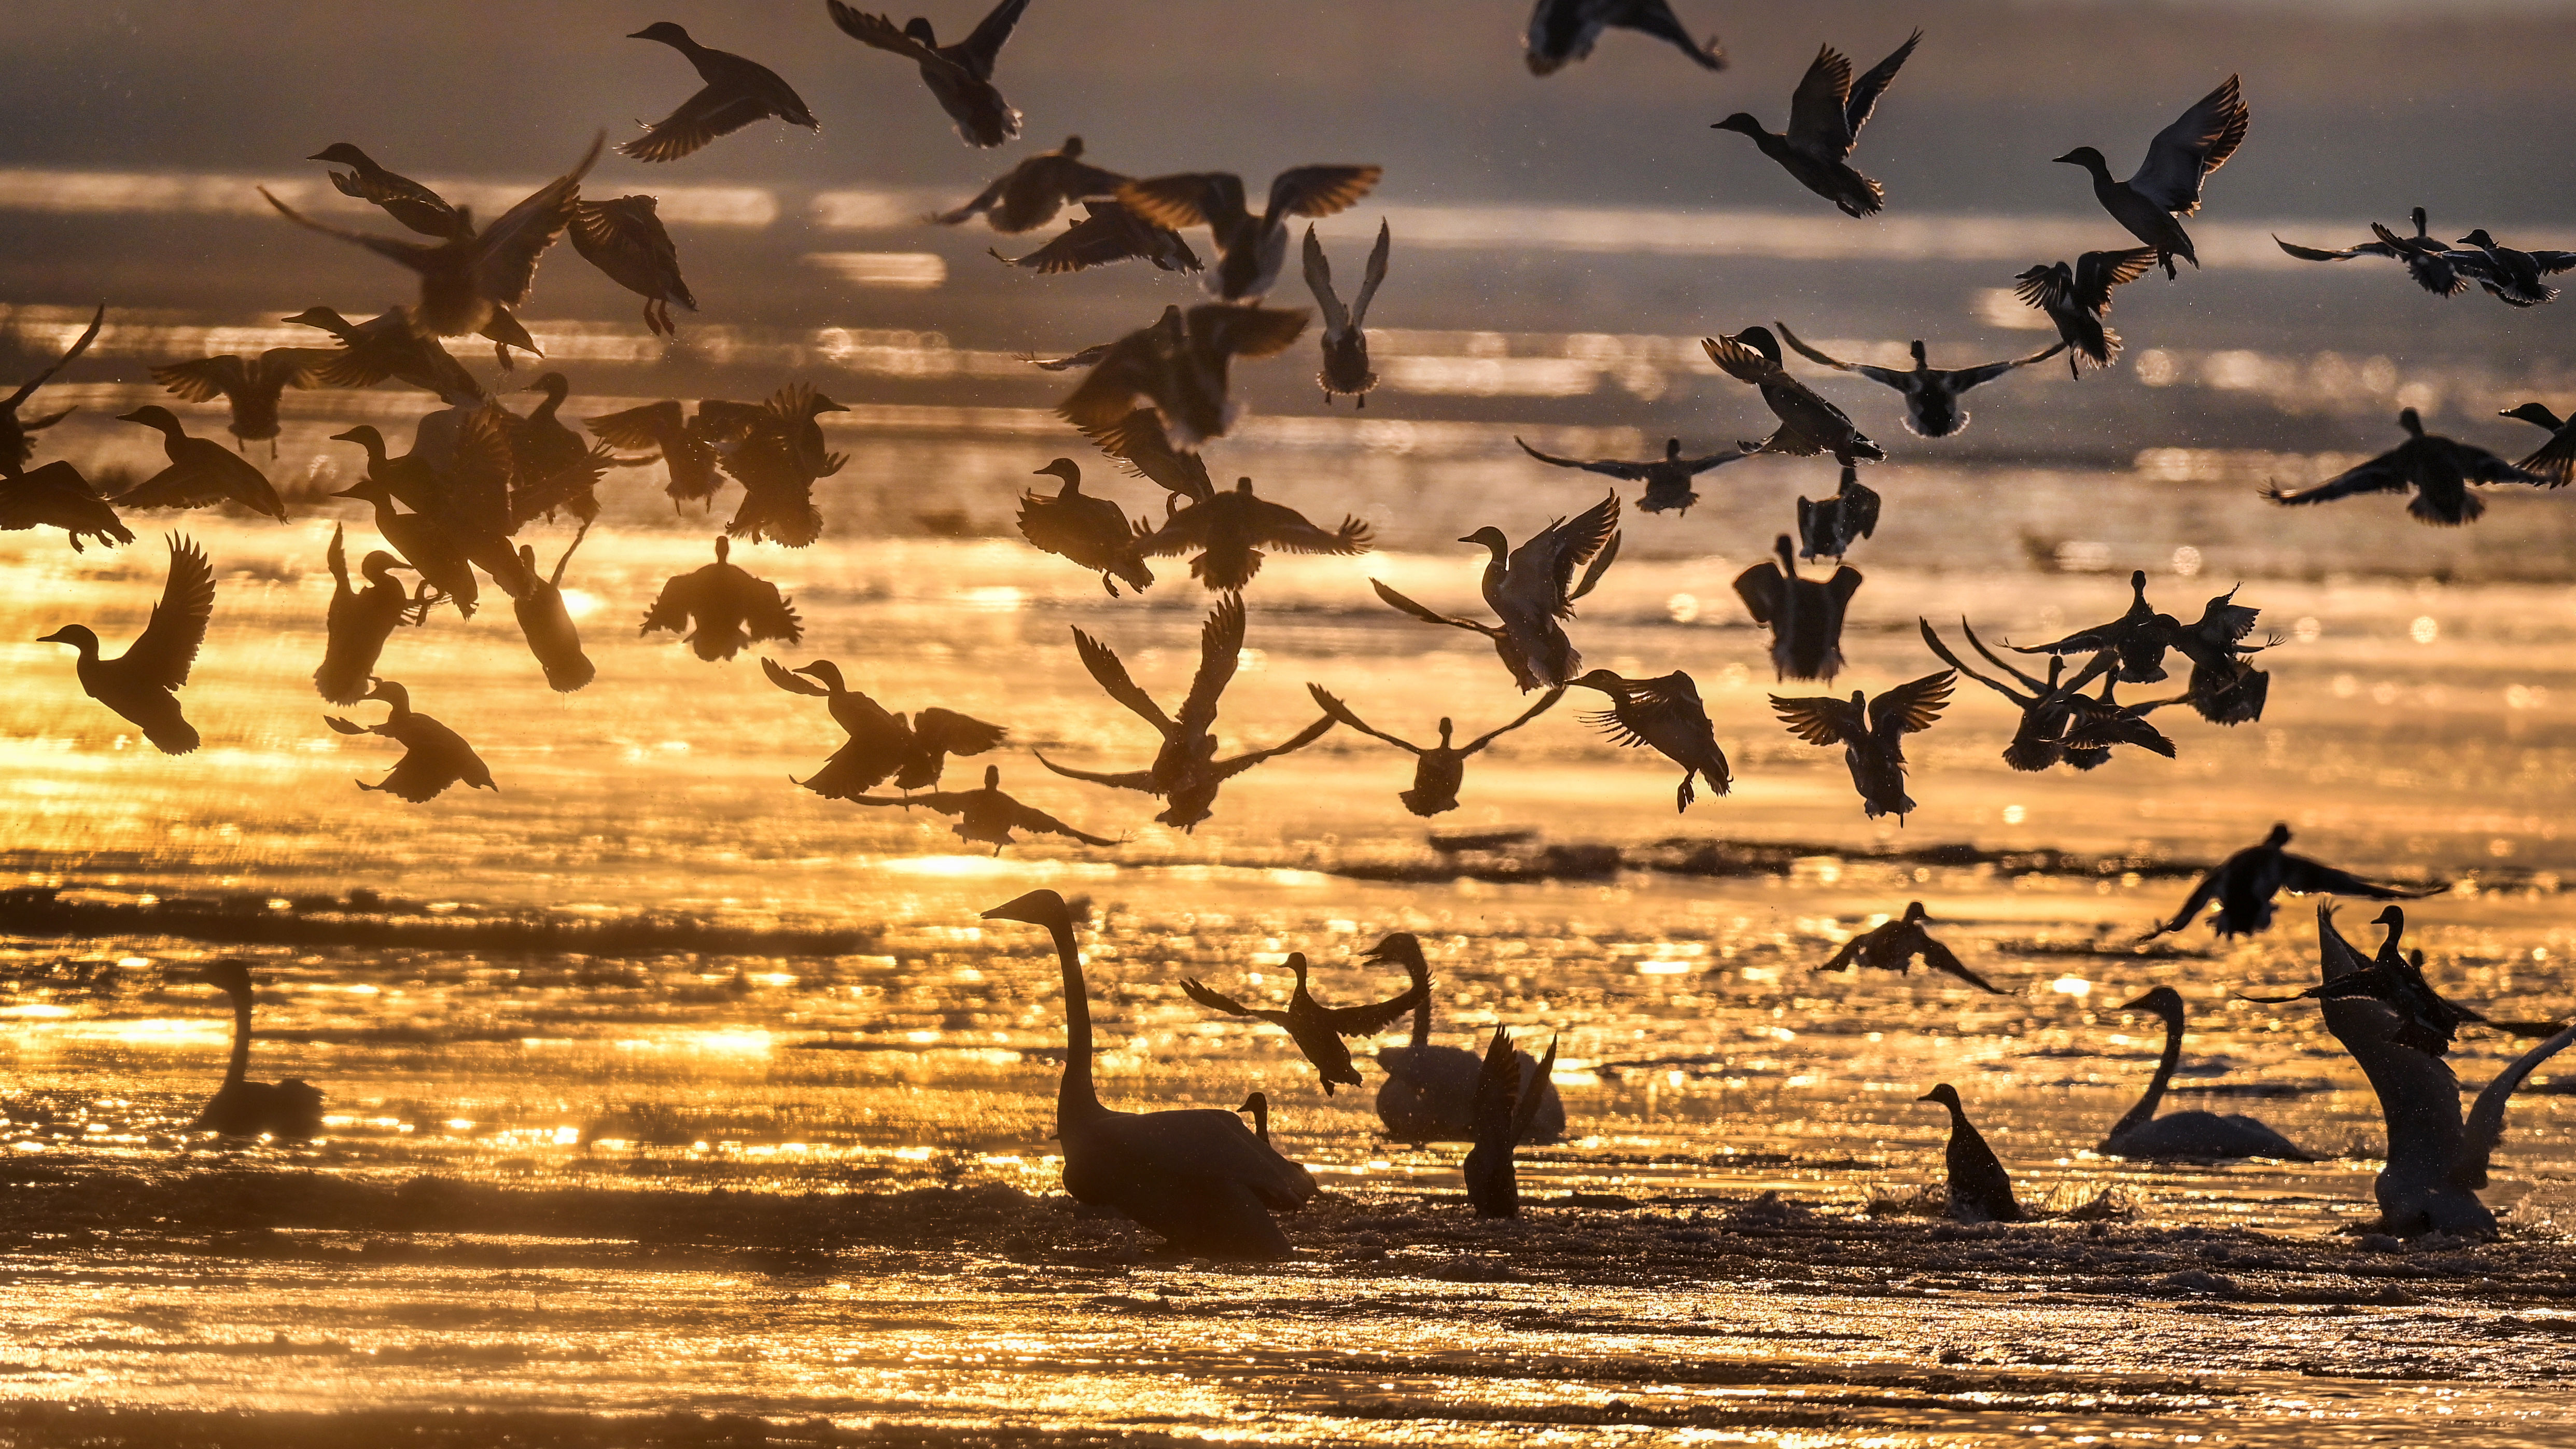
[736,93]
[720,609]
[2427,261]
[1532,589]
[201,472]
[1438,770]
[1562,32]
[1091,531]
[1181,367]
[57,496]
[1664,715]
[1317,1029]
[359,621]
[1251,249]
[1346,359]
[407,201]
[141,683]
[1667,479]
[960,76]
[1932,408]
[1980,1191]
[434,756]
[1805,616]
[985,816]
[2077,298]
[1030,194]
[1808,424]
[1825,117]
[2166,186]
[2244,884]
[1505,1111]
[2439,470]
[1231,530]
[624,237]
[251,385]
[1872,734]
[1896,945]
[1830,526]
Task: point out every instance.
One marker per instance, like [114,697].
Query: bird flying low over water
[2427,1021]
[1531,589]
[1107,233]
[913,751]
[2554,460]
[57,496]
[1979,1190]
[1931,394]
[2078,299]
[1029,195]
[2427,260]
[1667,479]
[1346,360]
[1872,733]
[1091,531]
[2243,886]
[1833,525]
[2438,469]
[2048,709]
[1230,530]
[1318,1029]
[2135,643]
[16,447]
[2166,186]
[2509,276]
[434,756]
[359,621]
[1438,769]
[1140,445]
[407,201]
[775,450]
[1825,117]
[200,474]
[291,1109]
[720,608]
[737,92]
[141,683]
[960,76]
[686,446]
[1896,945]
[1808,424]
[1180,367]
[985,816]
[251,385]
[624,237]
[1665,715]
[1504,1111]
[1563,31]
[1250,249]
[1805,616]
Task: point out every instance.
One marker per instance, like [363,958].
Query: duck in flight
[1979,1190]
[1139,444]
[1805,616]
[985,816]
[1505,1111]
[1029,195]
[1429,1094]
[2141,1133]
[1091,531]
[545,620]
[424,544]
[1931,394]
[1532,589]
[1808,424]
[1251,249]
[1825,116]
[2554,460]
[1830,526]
[1198,1177]
[141,683]
[2135,642]
[2425,1020]
[661,430]
[1180,367]
[200,473]
[1317,1029]
[17,446]
[1563,31]
[1667,479]
[2509,276]
[250,385]
[2427,260]
[2078,300]
[359,621]
[913,751]
[1896,945]
[1666,715]
[2243,886]
[2166,186]
[775,450]
[417,207]
[434,756]
[736,93]
[57,496]
[1346,360]
[1107,233]
[2437,469]
[625,239]
[1438,770]
[288,1110]
[720,608]
[1230,530]
[960,76]
[384,346]
[1872,733]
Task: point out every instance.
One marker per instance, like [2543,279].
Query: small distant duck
[1430,1091]
[1825,116]
[1317,1029]
[913,751]
[1230,530]
[2141,1133]
[405,200]
[359,621]
[1107,233]
[250,385]
[720,608]
[1504,1111]
[624,237]
[1808,424]
[201,473]
[1250,249]
[1563,31]
[1346,360]
[985,816]
[737,92]
[2509,276]
[960,76]
[1805,616]
[141,683]
[385,346]
[1980,1191]
[1093,532]
[434,756]
[685,447]
[2554,460]
[1029,195]
[57,496]
[1831,526]
[2243,886]
[1666,715]
[2078,300]
[1531,589]
[2438,469]
[1931,394]
[288,1110]
[1180,367]
[17,447]
[546,622]
[1872,733]
[1895,945]
[1439,769]
[2166,186]
[1667,479]
[2426,259]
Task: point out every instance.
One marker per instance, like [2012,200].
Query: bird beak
[2067,159]
[1927,1097]
[2138,1005]
[56,637]
[316,156]
[135,416]
[638,35]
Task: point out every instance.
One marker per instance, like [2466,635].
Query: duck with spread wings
[1438,770]
[1666,715]
[1872,733]
[1317,1029]
[1531,590]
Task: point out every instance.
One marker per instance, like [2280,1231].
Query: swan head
[2086,157]
[1258,1102]
[2164,1001]
[1945,1094]
[1066,469]
[1402,948]
[229,975]
[1037,908]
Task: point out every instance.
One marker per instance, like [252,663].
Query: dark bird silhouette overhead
[17,447]
[1439,769]
[1140,445]
[407,201]
[624,237]
[1563,31]
[1429,1094]
[1805,616]
[359,621]
[57,496]
[1979,1190]
[2166,186]
[721,608]
[2554,460]
[960,76]
[1503,1114]
[200,474]
[1180,367]
[1346,360]
[2048,709]
[1872,733]
[2200,1135]
[2243,886]
[736,93]
[1896,945]
[291,1109]
[434,756]
[1831,526]
[551,466]
[1231,531]
[1825,116]
[1317,1029]
[1932,394]
[1107,233]
[2136,641]
[2509,276]
[1808,424]
[686,446]
[1666,716]
[1250,249]
[1029,195]
[140,684]
[1532,589]
[1091,531]
[2078,299]
[2439,470]
[913,751]
[251,385]
[2426,259]
[985,816]
[1667,479]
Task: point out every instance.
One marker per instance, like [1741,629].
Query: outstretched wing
[1342,712]
[1762,588]
[788,679]
[1141,781]
[1546,702]
[1943,650]
[27,389]
[2386,473]
[1609,466]
[170,639]
[1819,122]
[1873,84]
[1811,354]
[205,379]
[1373,277]
[1911,707]
[977,52]
[2198,901]
[1220,651]
[2096,273]
[1968,377]
[1941,958]
[506,252]
[1275,525]
[884,34]
[951,733]
[643,427]
[2303,876]
[1114,680]
[1139,442]
[1215,1000]
[1187,198]
[1647,707]
[1030,818]
[1820,719]
[1427,616]
[1319,280]
[1320,190]
[410,254]
[1228,769]
[1377,1017]
[2197,143]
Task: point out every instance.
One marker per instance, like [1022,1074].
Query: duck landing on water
[1505,1109]
[1980,1191]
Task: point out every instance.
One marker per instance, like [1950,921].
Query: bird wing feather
[168,646]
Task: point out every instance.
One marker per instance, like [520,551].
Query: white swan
[1199,1177]
[1430,1091]
[2436,1161]
[2187,1134]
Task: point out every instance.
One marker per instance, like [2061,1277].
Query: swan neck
[237,1070]
[1074,1097]
[2145,1112]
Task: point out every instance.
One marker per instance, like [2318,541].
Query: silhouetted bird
[1805,616]
[1317,1029]
[775,451]
[2554,460]
[1931,394]
[1872,735]
[1093,532]
[2223,687]
[686,447]
[2078,300]
[434,756]
[1107,233]
[1531,589]
[2426,260]
[722,608]
[1346,359]
[1186,773]
[1667,479]
[250,385]
[1258,1105]
[2426,1021]
[407,201]
[1563,31]
[385,346]
[985,816]
[1250,249]
[623,237]
[1825,116]
[291,1109]
[140,683]
[426,546]
[16,447]
[1808,424]
[2141,1133]
[2166,186]
[2438,469]
[1896,945]
[200,474]
[737,92]
[1430,1091]
[467,279]
[1833,525]
[57,496]
[2099,722]
[2136,641]
[1503,1113]
[2510,276]
[361,620]
[1230,531]
[1140,445]
[1029,195]
[2047,710]
[2243,886]
[1980,1191]
[551,466]
[1664,714]
[1438,769]
[914,751]
[1179,367]
[960,76]
[546,622]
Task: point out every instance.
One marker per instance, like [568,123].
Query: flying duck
[434,756]
[1896,945]
[1805,616]
[2166,186]
[1825,116]
[384,346]
[200,472]
[685,447]
[361,620]
[2243,886]
[1833,525]
[546,623]
[1093,532]
[1029,195]
[914,751]
[720,608]
[1230,530]
[1430,1091]
[1664,714]
[551,466]
[624,237]
[407,201]
[291,1109]
[2426,1020]
[1808,424]
[775,450]
[1346,360]
[16,447]
[1980,1191]
[2136,641]
[1531,589]
[1931,394]
[1563,31]
[2047,709]
[2438,469]
[960,76]
[1503,1113]
[1439,769]
[1872,733]
[140,684]
[1317,1029]
[2554,460]
[250,385]
[737,92]
[1667,479]
[1140,445]
[2141,1133]
[2427,260]
[2512,277]
[426,544]
[57,496]
[2078,299]
[1250,249]
[1179,366]
[1108,232]
[985,816]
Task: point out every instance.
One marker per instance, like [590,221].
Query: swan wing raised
[2486,1116]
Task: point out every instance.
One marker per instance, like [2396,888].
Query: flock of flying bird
[477,474]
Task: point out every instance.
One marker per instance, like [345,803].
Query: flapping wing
[1215,1000]
[2478,465]
[984,201]
[1113,679]
[2198,901]
[884,34]
[2484,1126]
[1342,712]
[1911,707]
[1942,958]
[1735,359]
[2303,876]
[2386,473]
[1276,525]
[1243,331]
[1820,719]
[410,254]
[205,379]
[1943,651]
[338,557]
[1762,589]
[1138,441]
[2096,273]
[1320,190]
[1187,198]
[696,122]
[1968,377]
[1646,706]
[28,388]
[1378,1016]
[1319,280]
[1600,565]
[1610,467]
[1141,781]
[1809,353]
[1228,769]
[506,252]
[1402,604]
[951,733]
[2196,144]
[977,52]
[1564,547]
[644,427]
[1036,821]
[784,678]
[2345,254]
[1819,123]
[170,639]
[1220,651]
[1873,84]
[1546,702]
[1374,277]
